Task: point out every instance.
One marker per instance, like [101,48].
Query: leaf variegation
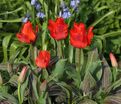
[59,68]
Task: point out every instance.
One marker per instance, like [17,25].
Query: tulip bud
[1,80]
[43,86]
[22,75]
[113,60]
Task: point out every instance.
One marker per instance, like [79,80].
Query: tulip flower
[58,29]
[43,59]
[1,80]
[79,36]
[113,60]
[22,75]
[27,33]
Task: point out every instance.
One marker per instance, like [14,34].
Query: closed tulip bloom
[79,36]
[27,33]
[43,59]
[58,29]
[1,80]
[22,75]
[113,60]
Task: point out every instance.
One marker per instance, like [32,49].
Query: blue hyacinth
[33,2]
[74,3]
[37,6]
[24,20]
[65,13]
[40,15]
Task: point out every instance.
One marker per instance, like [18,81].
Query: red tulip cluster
[79,36]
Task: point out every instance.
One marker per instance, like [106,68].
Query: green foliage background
[104,15]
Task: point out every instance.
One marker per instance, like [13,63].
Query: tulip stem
[70,57]
[59,49]
[115,72]
[44,44]
[31,53]
[35,52]
[79,58]
[56,7]
[19,93]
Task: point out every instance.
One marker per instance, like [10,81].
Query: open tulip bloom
[27,33]
[58,29]
[79,36]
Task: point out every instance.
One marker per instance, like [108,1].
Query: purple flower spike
[25,19]
[40,15]
[37,6]
[63,5]
[65,9]
[74,3]
[66,15]
[33,2]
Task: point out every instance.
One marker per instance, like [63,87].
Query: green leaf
[88,101]
[92,58]
[88,83]
[116,41]
[107,75]
[3,89]
[5,45]
[93,64]
[12,20]
[45,74]
[34,86]
[23,89]
[1,25]
[13,48]
[73,74]
[28,5]
[11,12]
[112,100]
[8,97]
[42,100]
[103,17]
[112,34]
[98,44]
[59,68]
[13,80]
[114,85]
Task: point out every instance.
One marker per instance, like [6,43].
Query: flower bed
[60,52]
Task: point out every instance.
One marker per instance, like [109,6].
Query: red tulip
[79,36]
[27,33]
[113,60]
[43,59]
[58,29]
